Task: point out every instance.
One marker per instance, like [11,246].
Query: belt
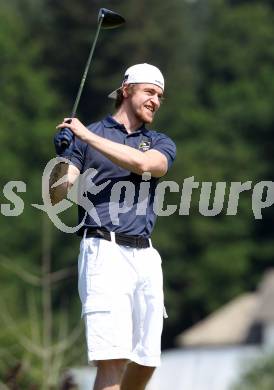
[120,239]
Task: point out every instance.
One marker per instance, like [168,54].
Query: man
[120,275]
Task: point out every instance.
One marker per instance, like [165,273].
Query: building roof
[229,325]
[240,321]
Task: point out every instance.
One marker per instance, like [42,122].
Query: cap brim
[113,94]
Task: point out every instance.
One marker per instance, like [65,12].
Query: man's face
[144,100]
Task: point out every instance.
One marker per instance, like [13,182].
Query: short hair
[119,99]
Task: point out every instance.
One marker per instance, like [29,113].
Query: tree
[43,338]
[29,109]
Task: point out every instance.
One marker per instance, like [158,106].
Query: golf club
[107,19]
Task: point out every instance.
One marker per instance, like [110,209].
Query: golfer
[120,274]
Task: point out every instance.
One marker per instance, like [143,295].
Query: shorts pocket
[157,255]
[99,324]
[94,261]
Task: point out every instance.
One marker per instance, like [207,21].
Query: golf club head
[110,19]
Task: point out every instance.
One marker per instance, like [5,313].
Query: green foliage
[258,376]
[29,108]
[223,133]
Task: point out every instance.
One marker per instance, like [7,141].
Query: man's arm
[125,156]
[60,170]
[129,158]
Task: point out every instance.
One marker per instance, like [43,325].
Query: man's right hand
[64,142]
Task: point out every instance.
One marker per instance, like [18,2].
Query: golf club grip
[64,142]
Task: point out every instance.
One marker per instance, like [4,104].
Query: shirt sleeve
[78,154]
[166,146]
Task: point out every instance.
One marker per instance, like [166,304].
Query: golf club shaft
[75,106]
[106,19]
[64,142]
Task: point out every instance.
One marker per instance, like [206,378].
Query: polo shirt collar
[109,122]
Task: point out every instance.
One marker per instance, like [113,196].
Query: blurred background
[217,57]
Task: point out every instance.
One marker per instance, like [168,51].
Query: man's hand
[58,193]
[76,127]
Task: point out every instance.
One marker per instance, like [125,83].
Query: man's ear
[126,90]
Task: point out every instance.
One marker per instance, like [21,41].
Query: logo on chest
[144,145]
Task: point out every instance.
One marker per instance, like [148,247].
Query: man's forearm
[128,157]
[122,155]
[59,192]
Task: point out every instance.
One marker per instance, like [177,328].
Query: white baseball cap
[141,73]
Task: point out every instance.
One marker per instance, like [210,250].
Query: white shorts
[121,290]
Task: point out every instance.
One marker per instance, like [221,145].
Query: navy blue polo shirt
[84,157]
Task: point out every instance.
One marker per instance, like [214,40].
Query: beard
[144,117]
